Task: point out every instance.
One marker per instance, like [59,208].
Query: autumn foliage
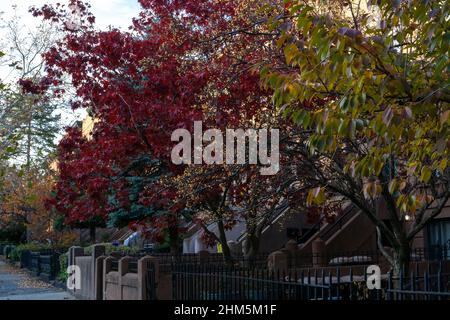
[181,61]
[189,60]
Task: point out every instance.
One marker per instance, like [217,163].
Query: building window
[439,239]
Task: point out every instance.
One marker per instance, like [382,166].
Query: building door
[439,240]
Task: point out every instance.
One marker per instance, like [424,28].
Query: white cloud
[117,13]
[108,12]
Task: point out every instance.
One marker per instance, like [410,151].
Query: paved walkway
[15,284]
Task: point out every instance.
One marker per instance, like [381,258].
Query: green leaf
[445,117]
[291,52]
[393,186]
[425,174]
[342,103]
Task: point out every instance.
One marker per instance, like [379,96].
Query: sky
[108,12]
[117,13]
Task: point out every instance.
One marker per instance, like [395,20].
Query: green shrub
[63,264]
[17,252]
[109,248]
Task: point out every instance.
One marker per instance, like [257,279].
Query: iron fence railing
[43,263]
[419,287]
[133,266]
[191,282]
[150,281]
[213,282]
[114,265]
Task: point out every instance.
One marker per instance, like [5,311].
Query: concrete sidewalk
[15,284]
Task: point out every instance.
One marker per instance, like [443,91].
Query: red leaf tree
[180,62]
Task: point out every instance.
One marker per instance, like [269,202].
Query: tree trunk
[223,241]
[399,259]
[28,151]
[174,240]
[252,247]
[92,232]
[402,259]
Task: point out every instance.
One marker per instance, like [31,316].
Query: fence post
[351,284]
[401,283]
[330,285]
[388,293]
[338,288]
[38,264]
[98,278]
[25,259]
[439,279]
[107,266]
[292,247]
[53,265]
[73,253]
[278,262]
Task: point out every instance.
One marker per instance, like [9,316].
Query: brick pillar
[98,250]
[292,250]
[164,286]
[107,266]
[319,253]
[278,262]
[142,275]
[291,245]
[123,269]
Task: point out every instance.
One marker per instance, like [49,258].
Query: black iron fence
[25,259]
[200,282]
[213,282]
[3,245]
[44,263]
[419,287]
[150,281]
[167,261]
[210,258]
[133,266]
[115,265]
